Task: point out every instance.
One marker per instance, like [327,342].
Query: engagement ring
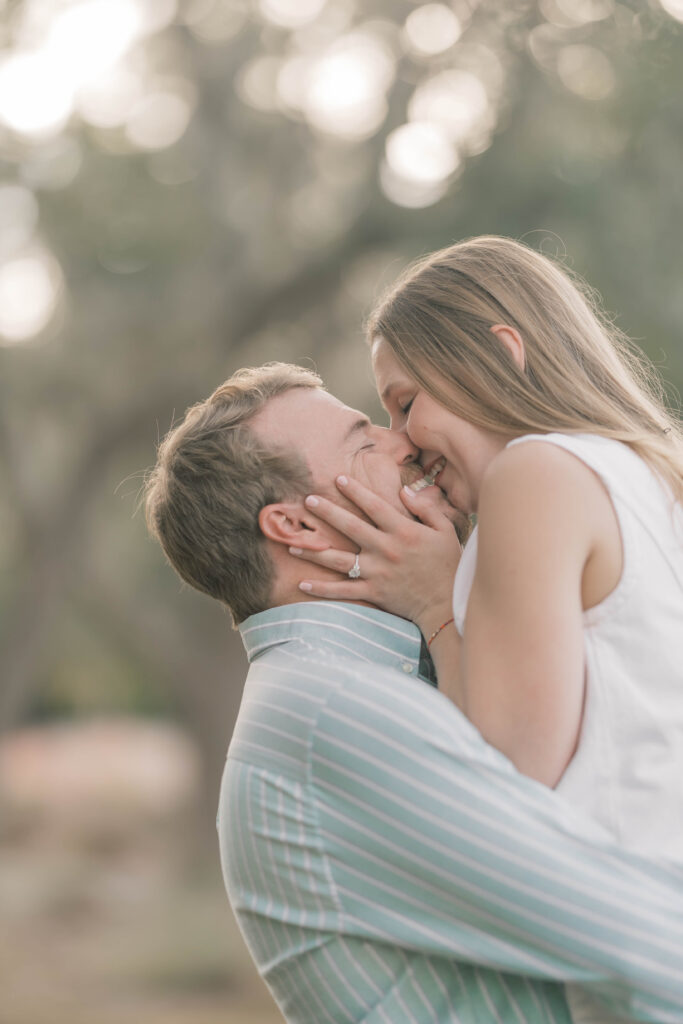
[354,572]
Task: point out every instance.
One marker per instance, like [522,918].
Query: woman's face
[467,449]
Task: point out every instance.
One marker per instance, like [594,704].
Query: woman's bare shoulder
[542,488]
[526,472]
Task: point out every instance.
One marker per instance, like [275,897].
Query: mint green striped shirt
[386,865]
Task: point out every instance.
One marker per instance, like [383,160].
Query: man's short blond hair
[213,476]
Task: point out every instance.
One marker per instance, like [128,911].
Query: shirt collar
[367,633]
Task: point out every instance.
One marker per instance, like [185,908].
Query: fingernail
[408,490]
[296,551]
[306,586]
[342,480]
[311,501]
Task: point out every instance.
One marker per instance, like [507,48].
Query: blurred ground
[108,916]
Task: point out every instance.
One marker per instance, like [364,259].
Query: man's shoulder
[302,667]
[297,693]
[290,685]
[327,668]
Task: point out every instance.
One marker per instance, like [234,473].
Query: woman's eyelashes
[405,409]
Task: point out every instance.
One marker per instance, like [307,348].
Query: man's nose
[400,446]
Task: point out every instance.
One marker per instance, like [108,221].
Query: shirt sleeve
[436,844]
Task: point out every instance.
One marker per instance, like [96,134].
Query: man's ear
[512,340]
[291,524]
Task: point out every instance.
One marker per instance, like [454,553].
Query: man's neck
[298,597]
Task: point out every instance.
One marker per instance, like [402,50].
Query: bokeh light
[35,98]
[341,90]
[421,152]
[432,28]
[586,71]
[347,86]
[450,114]
[674,8]
[455,100]
[420,159]
[257,83]
[544,41]
[89,38]
[109,101]
[291,13]
[155,15]
[573,13]
[214,21]
[160,118]
[291,82]
[407,192]
[18,218]
[69,58]
[29,289]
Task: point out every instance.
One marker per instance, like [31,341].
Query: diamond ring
[354,571]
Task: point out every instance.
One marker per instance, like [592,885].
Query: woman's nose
[404,448]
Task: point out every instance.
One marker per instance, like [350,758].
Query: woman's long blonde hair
[582,375]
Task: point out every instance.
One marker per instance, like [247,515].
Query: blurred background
[187,187]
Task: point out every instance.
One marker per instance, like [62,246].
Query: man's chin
[463,525]
[461,521]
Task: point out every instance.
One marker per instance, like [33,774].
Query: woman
[564,644]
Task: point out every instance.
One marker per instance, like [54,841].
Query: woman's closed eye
[405,409]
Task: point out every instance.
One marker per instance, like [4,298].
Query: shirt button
[406,666]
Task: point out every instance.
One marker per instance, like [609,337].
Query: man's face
[335,439]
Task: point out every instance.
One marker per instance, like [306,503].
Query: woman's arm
[523,659]
[446,649]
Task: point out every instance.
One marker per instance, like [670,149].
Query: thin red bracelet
[437,631]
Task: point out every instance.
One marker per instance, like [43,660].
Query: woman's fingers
[340,561]
[352,526]
[427,511]
[384,515]
[345,590]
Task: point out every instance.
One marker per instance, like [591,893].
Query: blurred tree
[194,186]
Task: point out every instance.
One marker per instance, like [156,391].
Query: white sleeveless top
[627,771]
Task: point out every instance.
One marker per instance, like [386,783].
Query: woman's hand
[407,564]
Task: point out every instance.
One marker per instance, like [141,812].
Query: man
[383,862]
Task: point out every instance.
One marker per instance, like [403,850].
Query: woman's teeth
[428,479]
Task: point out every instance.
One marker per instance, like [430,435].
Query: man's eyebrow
[360,424]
